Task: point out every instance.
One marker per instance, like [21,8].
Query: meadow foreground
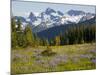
[60,58]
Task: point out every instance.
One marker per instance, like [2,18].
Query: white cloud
[36,13]
[27,13]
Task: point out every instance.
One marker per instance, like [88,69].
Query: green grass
[79,57]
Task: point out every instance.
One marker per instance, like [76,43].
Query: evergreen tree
[14,42]
[13,25]
[57,40]
[13,34]
[19,28]
[29,36]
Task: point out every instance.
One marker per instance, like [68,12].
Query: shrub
[48,52]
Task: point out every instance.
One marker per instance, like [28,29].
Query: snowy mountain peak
[50,18]
[32,17]
[48,11]
[60,13]
[75,12]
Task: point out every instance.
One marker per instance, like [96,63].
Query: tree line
[75,34]
[79,34]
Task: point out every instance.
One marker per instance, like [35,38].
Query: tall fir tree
[29,36]
[13,34]
[57,40]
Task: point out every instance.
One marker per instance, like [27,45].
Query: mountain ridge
[50,18]
[57,30]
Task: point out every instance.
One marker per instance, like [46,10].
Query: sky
[23,8]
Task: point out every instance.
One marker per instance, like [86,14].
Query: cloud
[36,13]
[27,13]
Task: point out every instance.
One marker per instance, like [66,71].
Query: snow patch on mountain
[73,19]
[50,18]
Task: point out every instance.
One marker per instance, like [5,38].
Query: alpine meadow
[51,37]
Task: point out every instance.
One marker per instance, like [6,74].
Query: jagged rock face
[50,18]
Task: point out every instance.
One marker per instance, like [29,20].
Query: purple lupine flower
[18,55]
[58,60]
[52,63]
[93,60]
[86,56]
[40,62]
[93,51]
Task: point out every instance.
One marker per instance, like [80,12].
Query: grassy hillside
[66,58]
